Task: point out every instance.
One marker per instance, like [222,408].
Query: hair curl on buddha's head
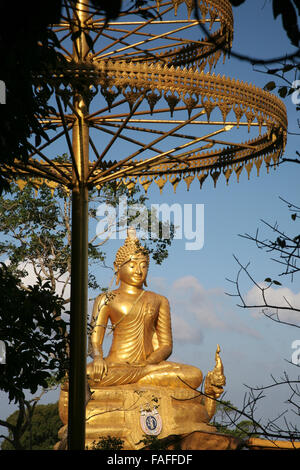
[132,247]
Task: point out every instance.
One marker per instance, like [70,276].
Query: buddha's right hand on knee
[99,369]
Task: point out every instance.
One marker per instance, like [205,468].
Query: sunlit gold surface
[256,443]
[136,374]
[142,336]
[115,411]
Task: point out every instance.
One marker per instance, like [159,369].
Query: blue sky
[252,347]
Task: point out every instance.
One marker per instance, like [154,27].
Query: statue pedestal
[130,412]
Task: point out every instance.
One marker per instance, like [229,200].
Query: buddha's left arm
[164,334]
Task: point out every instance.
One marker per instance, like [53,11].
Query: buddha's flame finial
[132,247]
[131,232]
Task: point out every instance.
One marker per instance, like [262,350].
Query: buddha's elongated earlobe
[145,283]
[116,275]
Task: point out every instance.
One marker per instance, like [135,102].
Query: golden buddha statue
[136,378]
[141,325]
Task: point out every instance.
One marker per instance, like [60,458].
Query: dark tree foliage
[227,420]
[108,443]
[41,434]
[26,46]
[34,335]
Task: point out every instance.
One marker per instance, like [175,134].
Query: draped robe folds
[134,339]
[144,330]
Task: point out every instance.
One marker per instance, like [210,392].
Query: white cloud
[282,299]
[190,296]
[183,331]
[158,284]
[194,310]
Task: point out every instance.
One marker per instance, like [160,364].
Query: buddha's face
[134,272]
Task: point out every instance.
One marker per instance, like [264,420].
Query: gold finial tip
[131,232]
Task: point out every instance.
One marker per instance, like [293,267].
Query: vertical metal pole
[79,262]
[78,321]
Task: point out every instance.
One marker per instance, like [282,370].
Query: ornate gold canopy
[142,82]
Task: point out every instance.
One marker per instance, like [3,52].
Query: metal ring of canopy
[127,69]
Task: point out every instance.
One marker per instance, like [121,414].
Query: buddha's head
[132,261]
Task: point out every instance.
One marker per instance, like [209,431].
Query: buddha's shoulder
[105,297]
[158,297]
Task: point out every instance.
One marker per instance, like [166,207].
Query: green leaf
[277,283]
[89,41]
[283,91]
[281,242]
[236,3]
[270,86]
[289,19]
[268,279]
[293,216]
[278,6]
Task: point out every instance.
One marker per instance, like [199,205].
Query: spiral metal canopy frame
[143,82]
[136,101]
